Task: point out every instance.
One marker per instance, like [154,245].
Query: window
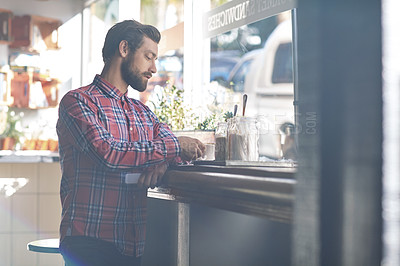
[283,67]
[240,72]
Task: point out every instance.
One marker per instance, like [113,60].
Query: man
[105,137]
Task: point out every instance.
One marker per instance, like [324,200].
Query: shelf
[5,42]
[24,84]
[5,26]
[29,31]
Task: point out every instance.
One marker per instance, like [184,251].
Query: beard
[133,77]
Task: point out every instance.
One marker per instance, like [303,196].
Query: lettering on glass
[242,12]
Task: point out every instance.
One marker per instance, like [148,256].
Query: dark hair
[131,31]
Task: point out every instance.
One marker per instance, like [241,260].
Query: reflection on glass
[169,71]
[168,20]
[283,65]
[239,72]
[163,14]
[256,59]
[216,3]
[99,17]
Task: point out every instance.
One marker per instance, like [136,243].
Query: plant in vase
[170,108]
[227,115]
[168,104]
[208,123]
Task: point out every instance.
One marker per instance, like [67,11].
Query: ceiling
[58,9]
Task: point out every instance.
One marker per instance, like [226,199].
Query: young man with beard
[104,137]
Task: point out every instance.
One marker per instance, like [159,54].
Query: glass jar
[243,139]
[221,135]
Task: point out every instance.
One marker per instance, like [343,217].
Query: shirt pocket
[115,124]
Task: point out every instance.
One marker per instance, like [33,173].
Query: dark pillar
[338,198]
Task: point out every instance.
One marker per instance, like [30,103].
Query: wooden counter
[262,191]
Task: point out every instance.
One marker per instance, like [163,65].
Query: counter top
[262,191]
[32,156]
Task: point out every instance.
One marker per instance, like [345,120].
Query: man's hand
[152,177]
[191,148]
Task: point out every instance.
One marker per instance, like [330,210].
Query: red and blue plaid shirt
[103,135]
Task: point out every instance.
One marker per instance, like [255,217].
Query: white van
[270,90]
[269,81]
[266,76]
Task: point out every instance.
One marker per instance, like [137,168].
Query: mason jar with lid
[243,139]
[221,135]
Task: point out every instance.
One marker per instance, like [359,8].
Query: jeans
[87,251]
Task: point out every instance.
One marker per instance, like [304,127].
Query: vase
[8,143]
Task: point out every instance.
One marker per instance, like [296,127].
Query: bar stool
[44,245]
[50,246]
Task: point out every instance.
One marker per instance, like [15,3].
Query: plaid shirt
[103,135]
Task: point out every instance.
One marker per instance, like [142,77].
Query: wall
[32,213]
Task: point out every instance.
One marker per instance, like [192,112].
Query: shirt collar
[107,87]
